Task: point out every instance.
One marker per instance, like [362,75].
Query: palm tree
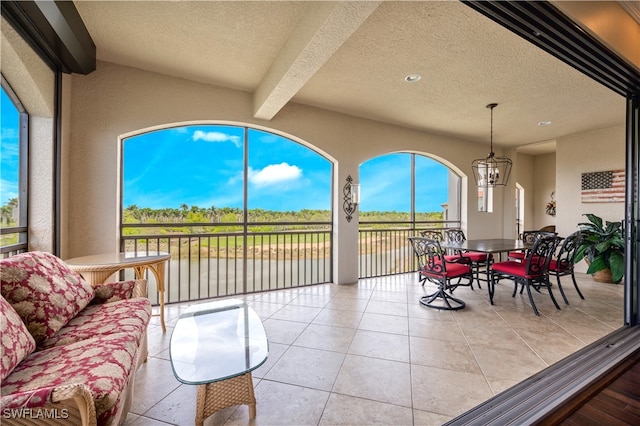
[185,210]
[213,214]
[5,214]
[133,211]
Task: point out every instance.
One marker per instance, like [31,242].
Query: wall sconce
[350,197]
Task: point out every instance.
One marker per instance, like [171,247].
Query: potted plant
[602,247]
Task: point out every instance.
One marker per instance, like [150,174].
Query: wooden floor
[617,404]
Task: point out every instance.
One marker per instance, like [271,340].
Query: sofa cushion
[129,316]
[113,291]
[44,291]
[17,342]
[102,363]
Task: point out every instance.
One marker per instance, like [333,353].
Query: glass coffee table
[216,346]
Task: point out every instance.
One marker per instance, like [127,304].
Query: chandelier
[491,171]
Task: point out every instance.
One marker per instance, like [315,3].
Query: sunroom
[350,81]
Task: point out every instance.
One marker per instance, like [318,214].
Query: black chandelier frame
[492,170]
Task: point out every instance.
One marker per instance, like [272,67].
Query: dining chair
[478,260]
[532,272]
[437,234]
[432,234]
[528,237]
[562,263]
[434,267]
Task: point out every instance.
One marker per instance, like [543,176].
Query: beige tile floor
[369,353]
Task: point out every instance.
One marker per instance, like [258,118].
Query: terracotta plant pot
[603,276]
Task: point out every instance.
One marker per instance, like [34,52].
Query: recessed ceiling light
[411,78]
[544,123]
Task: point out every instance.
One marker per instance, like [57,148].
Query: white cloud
[216,137]
[274,174]
[10,133]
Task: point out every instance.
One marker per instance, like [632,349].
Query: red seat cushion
[453,270]
[513,268]
[517,254]
[475,256]
[457,269]
[555,267]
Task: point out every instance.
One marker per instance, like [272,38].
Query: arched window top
[404,182]
[222,165]
[227,124]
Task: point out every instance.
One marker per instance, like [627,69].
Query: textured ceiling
[352,57]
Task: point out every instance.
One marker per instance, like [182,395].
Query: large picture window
[239,209]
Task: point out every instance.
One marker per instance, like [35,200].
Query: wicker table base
[226,393]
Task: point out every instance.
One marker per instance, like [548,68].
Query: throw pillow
[44,291]
[17,343]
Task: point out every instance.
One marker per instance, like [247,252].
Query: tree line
[194,214]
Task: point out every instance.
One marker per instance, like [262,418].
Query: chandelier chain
[491,140]
[491,107]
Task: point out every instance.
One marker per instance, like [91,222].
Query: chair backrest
[429,255]
[530,237]
[432,234]
[564,258]
[454,236]
[540,255]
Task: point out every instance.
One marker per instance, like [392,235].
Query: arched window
[401,194]
[240,209]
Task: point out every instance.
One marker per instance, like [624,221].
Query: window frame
[23,177]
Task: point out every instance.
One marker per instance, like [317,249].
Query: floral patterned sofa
[69,350]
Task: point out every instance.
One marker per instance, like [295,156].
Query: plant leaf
[598,264]
[617,266]
[594,219]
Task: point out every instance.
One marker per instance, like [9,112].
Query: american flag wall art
[603,187]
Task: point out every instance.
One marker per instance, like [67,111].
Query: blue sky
[9,125]
[202,165]
[385,184]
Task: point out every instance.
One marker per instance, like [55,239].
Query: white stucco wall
[537,175]
[116,100]
[594,151]
[41,188]
[544,176]
[526,179]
